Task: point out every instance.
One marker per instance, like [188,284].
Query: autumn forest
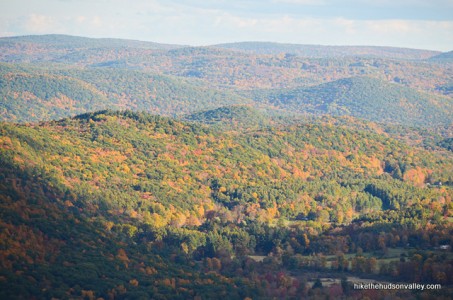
[137,170]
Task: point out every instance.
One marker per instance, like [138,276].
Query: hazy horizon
[221,43]
[412,24]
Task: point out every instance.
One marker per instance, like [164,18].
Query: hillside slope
[366,98]
[275,67]
[34,94]
[443,57]
[38,93]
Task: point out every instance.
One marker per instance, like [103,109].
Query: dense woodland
[133,170]
[141,192]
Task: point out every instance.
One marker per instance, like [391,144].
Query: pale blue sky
[424,24]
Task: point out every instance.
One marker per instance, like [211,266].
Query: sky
[420,24]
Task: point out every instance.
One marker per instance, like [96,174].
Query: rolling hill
[34,94]
[81,51]
[277,68]
[31,93]
[366,98]
[70,42]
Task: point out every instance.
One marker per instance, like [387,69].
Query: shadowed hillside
[365,98]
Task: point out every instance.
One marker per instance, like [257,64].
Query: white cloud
[391,26]
[338,31]
[96,21]
[36,23]
[80,19]
[235,21]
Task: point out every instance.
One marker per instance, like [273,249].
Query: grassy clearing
[392,255]
[257,258]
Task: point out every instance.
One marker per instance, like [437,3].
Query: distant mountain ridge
[329,51]
[59,43]
[61,40]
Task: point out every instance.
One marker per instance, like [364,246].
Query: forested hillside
[35,94]
[233,117]
[244,70]
[146,205]
[366,98]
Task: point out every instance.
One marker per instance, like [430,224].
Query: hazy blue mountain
[73,49]
[69,41]
[443,57]
[329,51]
